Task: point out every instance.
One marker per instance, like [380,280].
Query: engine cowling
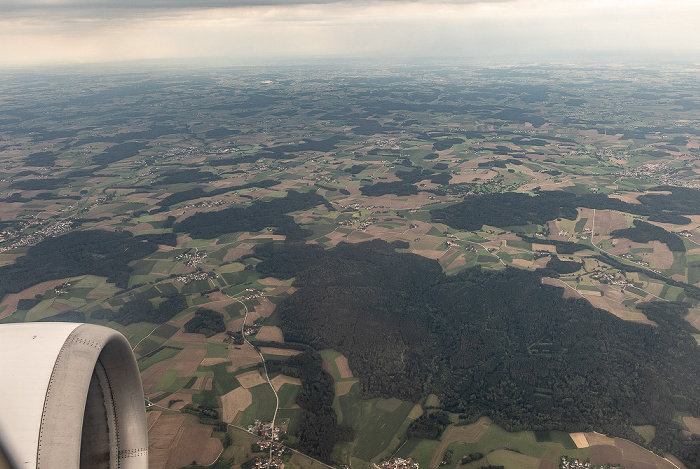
[71,397]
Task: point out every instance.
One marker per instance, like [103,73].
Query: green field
[263,406]
[170,382]
[544,445]
[420,450]
[288,395]
[376,423]
[157,356]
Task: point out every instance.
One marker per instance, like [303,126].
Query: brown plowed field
[193,443]
[343,367]
[270,334]
[234,402]
[241,357]
[284,352]
[693,424]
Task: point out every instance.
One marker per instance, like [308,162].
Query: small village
[611,279]
[252,293]
[56,229]
[269,441]
[567,463]
[196,276]
[192,259]
[399,463]
[264,430]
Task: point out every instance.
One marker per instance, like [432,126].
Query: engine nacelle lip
[47,382]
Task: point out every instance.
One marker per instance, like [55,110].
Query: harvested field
[185,363]
[9,302]
[234,402]
[605,454]
[279,380]
[152,418]
[598,439]
[214,361]
[693,318]
[189,338]
[544,247]
[569,291]
[199,382]
[579,439]
[606,221]
[461,261]
[629,197]
[270,334]
[429,253]
[250,379]
[636,457]
[218,306]
[327,367]
[660,258]
[242,356]
[283,352]
[140,227]
[343,367]
[236,253]
[185,397]
[343,387]
[193,443]
[416,412]
[280,290]
[462,435]
[693,424]
[270,281]
[503,457]
[235,325]
[162,431]
[612,302]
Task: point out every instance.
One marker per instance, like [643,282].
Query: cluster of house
[267,463]
[250,330]
[206,203]
[630,257]
[192,259]
[612,279]
[252,293]
[265,430]
[55,229]
[196,276]
[659,171]
[567,463]
[399,463]
[61,289]
[182,153]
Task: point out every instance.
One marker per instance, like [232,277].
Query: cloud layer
[43,32]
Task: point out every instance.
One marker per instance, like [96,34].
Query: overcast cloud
[247,31]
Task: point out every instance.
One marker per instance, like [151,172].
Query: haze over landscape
[254,31]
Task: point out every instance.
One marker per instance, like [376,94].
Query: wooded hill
[490,343]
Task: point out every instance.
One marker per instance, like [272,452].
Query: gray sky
[247,31]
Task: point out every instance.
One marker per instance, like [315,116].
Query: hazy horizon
[39,32]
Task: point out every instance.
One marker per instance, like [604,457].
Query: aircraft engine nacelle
[70,397]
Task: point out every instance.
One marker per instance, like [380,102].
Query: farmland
[386,219]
